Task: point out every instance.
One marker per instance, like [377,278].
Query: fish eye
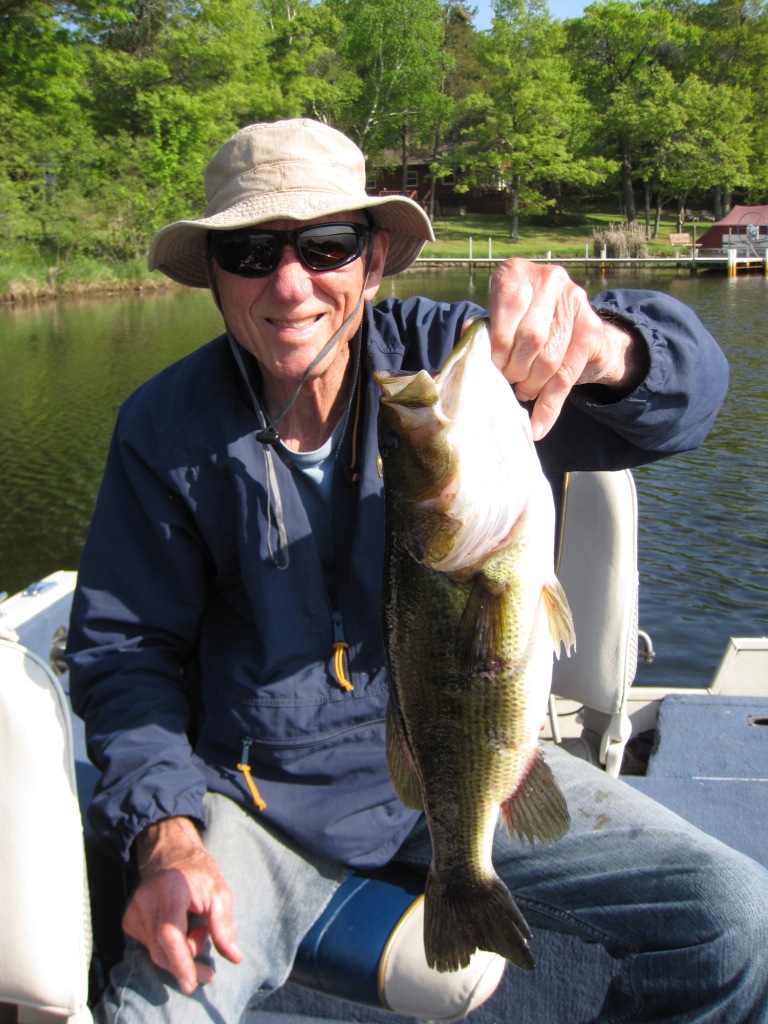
[388,445]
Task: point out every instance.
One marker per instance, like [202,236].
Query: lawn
[538,235]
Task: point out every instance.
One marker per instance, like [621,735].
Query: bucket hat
[297,169]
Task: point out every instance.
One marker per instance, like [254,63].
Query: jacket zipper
[339,646]
[245,768]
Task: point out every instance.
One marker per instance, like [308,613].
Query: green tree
[398,73]
[731,53]
[529,118]
[616,49]
[42,87]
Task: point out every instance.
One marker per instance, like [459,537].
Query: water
[703,543]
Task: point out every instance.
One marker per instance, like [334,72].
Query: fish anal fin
[537,809]
[459,921]
[559,617]
[404,779]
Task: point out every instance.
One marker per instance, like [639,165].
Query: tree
[398,74]
[529,118]
[616,48]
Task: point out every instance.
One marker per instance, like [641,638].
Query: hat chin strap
[268,433]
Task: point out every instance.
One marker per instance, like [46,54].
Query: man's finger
[222,928]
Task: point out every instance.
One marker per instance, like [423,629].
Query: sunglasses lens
[257,253]
[329,246]
[246,254]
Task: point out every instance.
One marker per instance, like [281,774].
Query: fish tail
[460,920]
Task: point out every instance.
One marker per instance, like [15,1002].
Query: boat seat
[368,948]
[597,565]
[45,941]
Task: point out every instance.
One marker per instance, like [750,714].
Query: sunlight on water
[703,544]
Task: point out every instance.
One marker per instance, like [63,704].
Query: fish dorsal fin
[537,808]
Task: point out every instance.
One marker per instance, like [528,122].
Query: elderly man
[225,643]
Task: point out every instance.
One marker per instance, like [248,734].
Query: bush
[620,241]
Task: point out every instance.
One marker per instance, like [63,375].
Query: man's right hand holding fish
[546,338]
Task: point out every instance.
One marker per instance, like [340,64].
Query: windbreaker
[207,643]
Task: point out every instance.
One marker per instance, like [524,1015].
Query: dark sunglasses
[255,253]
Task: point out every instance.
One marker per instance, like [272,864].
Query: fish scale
[472,614]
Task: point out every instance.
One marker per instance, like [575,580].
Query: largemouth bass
[472,615]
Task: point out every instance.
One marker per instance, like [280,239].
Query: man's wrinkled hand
[178,878]
[546,338]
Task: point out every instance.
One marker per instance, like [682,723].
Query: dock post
[470,248]
[489,249]
[732,265]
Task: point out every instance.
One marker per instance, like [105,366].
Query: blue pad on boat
[710,766]
[368,947]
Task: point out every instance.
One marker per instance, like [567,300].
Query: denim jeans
[685,916]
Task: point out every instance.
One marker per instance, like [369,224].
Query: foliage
[110,108]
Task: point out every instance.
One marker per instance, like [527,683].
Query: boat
[703,752]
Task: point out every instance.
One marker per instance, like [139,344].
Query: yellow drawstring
[338,665]
[257,797]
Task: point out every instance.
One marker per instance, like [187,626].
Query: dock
[731,262]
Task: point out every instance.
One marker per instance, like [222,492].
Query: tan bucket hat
[298,169]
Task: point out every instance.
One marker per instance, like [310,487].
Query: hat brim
[178,250]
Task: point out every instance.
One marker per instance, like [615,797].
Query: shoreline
[19,294]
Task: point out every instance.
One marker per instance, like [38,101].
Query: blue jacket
[194,649]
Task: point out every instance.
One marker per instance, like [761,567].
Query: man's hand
[179,877]
[546,338]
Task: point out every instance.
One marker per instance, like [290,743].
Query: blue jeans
[685,917]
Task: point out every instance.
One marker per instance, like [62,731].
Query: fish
[472,614]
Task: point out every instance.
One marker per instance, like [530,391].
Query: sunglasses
[254,253]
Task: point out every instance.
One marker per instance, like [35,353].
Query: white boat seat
[45,941]
[597,566]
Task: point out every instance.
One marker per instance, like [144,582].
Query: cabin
[743,227]
[419,184]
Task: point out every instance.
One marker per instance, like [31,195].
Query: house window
[412,179]
[448,180]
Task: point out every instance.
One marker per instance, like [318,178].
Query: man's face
[286,318]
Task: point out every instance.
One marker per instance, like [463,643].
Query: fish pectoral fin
[559,617]
[483,623]
[404,779]
[537,809]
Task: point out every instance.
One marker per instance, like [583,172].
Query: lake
[704,515]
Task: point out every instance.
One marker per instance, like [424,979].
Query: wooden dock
[731,262]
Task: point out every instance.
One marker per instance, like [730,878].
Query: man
[225,642]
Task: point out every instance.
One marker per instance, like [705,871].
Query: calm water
[704,541]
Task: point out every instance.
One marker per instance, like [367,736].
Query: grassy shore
[29,277]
